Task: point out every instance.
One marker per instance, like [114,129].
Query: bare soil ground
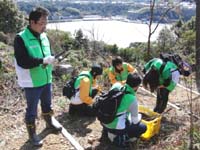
[173,135]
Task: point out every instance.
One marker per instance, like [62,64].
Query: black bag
[68,89]
[183,67]
[175,58]
[106,105]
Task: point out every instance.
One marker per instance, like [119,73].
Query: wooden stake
[67,135]
[187,89]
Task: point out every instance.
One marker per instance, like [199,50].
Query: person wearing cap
[163,77]
[127,125]
[33,63]
[86,89]
[119,70]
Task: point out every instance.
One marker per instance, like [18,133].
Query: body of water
[111,32]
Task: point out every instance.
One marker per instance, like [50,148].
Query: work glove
[48,60]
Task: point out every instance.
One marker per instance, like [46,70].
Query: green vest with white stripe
[37,76]
[127,99]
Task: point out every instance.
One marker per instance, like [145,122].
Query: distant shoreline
[98,19]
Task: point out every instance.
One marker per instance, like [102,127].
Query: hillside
[173,135]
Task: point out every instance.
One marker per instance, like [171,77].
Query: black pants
[122,136]
[132,130]
[162,99]
[82,110]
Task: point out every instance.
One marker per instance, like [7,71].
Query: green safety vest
[127,99]
[156,63]
[37,76]
[80,77]
[122,75]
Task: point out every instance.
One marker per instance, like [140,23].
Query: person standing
[162,77]
[33,63]
[119,70]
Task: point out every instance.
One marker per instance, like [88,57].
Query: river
[111,32]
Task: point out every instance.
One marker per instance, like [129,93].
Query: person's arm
[112,77]
[22,57]
[94,83]
[131,68]
[148,66]
[85,90]
[135,116]
[174,80]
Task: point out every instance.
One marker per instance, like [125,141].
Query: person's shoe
[33,137]
[51,123]
[133,143]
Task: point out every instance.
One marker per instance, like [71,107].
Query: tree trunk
[198,44]
[151,19]
[152,4]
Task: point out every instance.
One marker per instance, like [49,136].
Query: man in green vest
[33,63]
[162,77]
[86,89]
[126,127]
[119,70]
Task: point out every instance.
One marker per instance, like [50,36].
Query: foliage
[11,19]
[3,37]
[166,40]
[71,11]
[80,42]
[186,37]
[196,133]
[59,40]
[111,48]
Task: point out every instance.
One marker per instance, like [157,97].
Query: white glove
[49,60]
[137,119]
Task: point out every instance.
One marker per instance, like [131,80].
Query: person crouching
[126,126]
[86,89]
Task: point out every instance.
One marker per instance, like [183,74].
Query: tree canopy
[11,19]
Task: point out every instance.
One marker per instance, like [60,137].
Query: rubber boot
[33,137]
[51,123]
[133,143]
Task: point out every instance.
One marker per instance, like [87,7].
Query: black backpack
[106,105]
[68,89]
[183,67]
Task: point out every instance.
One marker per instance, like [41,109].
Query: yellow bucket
[153,126]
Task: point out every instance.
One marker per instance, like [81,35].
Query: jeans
[33,95]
